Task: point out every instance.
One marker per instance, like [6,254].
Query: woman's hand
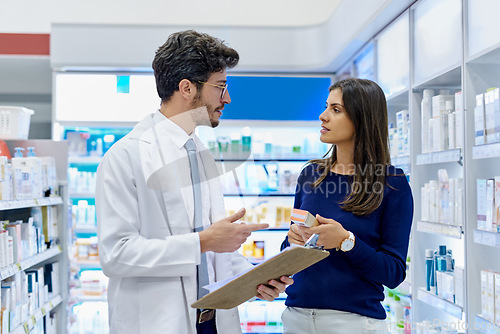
[331,233]
[298,234]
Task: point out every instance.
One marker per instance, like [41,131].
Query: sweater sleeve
[387,264]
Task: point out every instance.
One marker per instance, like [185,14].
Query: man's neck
[179,116]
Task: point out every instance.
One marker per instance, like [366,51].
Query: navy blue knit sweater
[352,281]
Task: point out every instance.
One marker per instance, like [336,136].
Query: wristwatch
[348,243]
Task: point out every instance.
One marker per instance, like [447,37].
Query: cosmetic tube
[429,269]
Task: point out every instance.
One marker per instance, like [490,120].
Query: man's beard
[204,118]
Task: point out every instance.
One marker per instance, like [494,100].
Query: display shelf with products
[442,304]
[485,326]
[34,244]
[487,238]
[438,228]
[37,315]
[482,79]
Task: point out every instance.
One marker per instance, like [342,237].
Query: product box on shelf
[479,120]
[459,120]
[459,286]
[497,298]
[481,204]
[489,117]
[496,213]
[15,122]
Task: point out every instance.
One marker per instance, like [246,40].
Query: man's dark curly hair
[190,55]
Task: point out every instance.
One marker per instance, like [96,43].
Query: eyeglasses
[223,87]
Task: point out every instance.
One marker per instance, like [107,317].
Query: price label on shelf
[51,306]
[26,327]
[43,311]
[19,266]
[33,319]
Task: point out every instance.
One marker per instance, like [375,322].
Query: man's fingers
[255,227]
[238,215]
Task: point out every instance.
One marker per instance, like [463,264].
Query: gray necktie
[198,219]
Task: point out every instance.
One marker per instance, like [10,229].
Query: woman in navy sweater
[364,207]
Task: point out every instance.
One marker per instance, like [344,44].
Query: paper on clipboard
[242,287]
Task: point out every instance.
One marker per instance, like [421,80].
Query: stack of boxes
[442,200]
[25,292]
[442,121]
[490,296]
[399,137]
[487,117]
[488,204]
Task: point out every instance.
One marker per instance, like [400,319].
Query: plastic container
[15,122]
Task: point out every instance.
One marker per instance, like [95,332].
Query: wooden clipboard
[244,287]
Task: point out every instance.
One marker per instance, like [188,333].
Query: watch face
[347,245]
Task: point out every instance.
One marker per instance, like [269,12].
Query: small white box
[481,204]
[490,205]
[479,120]
[459,121]
[484,294]
[490,298]
[15,122]
[496,214]
[459,286]
[497,298]
[496,111]
[489,117]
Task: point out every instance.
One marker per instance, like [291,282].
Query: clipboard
[244,287]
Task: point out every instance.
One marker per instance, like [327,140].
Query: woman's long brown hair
[365,105]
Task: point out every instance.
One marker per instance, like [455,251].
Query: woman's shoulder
[397,180]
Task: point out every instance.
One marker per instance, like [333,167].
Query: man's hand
[272,290]
[223,236]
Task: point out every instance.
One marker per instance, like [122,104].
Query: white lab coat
[146,245]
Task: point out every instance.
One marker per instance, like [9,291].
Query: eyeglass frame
[224,88]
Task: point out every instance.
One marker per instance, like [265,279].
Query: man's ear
[187,89]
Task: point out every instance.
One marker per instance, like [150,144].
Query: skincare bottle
[246,139]
[429,269]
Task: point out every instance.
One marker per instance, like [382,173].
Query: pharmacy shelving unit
[482,71]
[442,72]
[55,306]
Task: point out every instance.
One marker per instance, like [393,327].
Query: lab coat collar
[164,126]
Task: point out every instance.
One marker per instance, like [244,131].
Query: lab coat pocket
[161,305]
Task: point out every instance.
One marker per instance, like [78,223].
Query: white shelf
[29,262]
[26,326]
[29,203]
[88,264]
[85,229]
[82,195]
[487,238]
[84,160]
[439,303]
[401,161]
[438,228]
[486,326]
[454,155]
[486,151]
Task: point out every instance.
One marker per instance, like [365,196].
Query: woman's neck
[345,161]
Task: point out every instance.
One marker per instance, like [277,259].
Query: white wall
[35,16]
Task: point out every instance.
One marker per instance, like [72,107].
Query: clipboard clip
[311,242]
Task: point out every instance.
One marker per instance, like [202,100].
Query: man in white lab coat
[145,202]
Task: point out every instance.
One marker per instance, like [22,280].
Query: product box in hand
[303,218]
